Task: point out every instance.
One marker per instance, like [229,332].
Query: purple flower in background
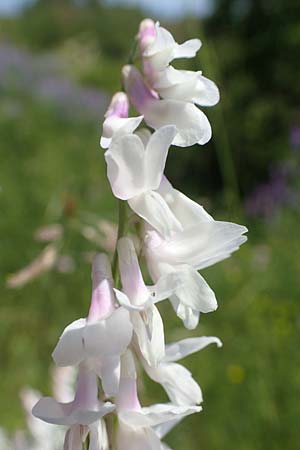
[269,197]
[295,137]
[42,77]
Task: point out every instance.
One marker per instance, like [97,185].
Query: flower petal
[101,339]
[181,349]
[148,327]
[192,124]
[187,211]
[69,349]
[177,381]
[151,207]
[203,244]
[188,49]
[157,414]
[115,127]
[125,166]
[156,154]
[131,275]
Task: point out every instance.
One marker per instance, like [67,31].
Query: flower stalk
[178,239]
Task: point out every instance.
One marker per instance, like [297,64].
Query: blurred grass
[53,171]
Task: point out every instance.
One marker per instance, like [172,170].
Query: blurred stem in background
[220,134]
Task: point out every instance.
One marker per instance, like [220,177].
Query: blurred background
[60,61]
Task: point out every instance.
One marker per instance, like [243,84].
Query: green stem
[121,232]
[109,422]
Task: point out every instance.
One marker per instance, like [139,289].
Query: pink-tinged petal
[131,275]
[127,398]
[147,33]
[192,124]
[69,350]
[102,304]
[101,339]
[138,91]
[126,303]
[181,349]
[151,207]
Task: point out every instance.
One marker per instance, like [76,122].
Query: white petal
[187,211]
[125,166]
[115,127]
[163,429]
[131,275]
[193,291]
[157,414]
[136,439]
[69,349]
[98,436]
[144,134]
[148,327]
[186,86]
[165,286]
[192,124]
[125,302]
[86,417]
[189,316]
[181,349]
[109,372]
[206,241]
[151,207]
[73,439]
[156,154]
[51,411]
[101,339]
[177,381]
[188,49]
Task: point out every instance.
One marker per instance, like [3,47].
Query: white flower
[139,300]
[136,424]
[187,86]
[159,47]
[83,415]
[177,381]
[198,243]
[117,120]
[94,339]
[192,124]
[135,171]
